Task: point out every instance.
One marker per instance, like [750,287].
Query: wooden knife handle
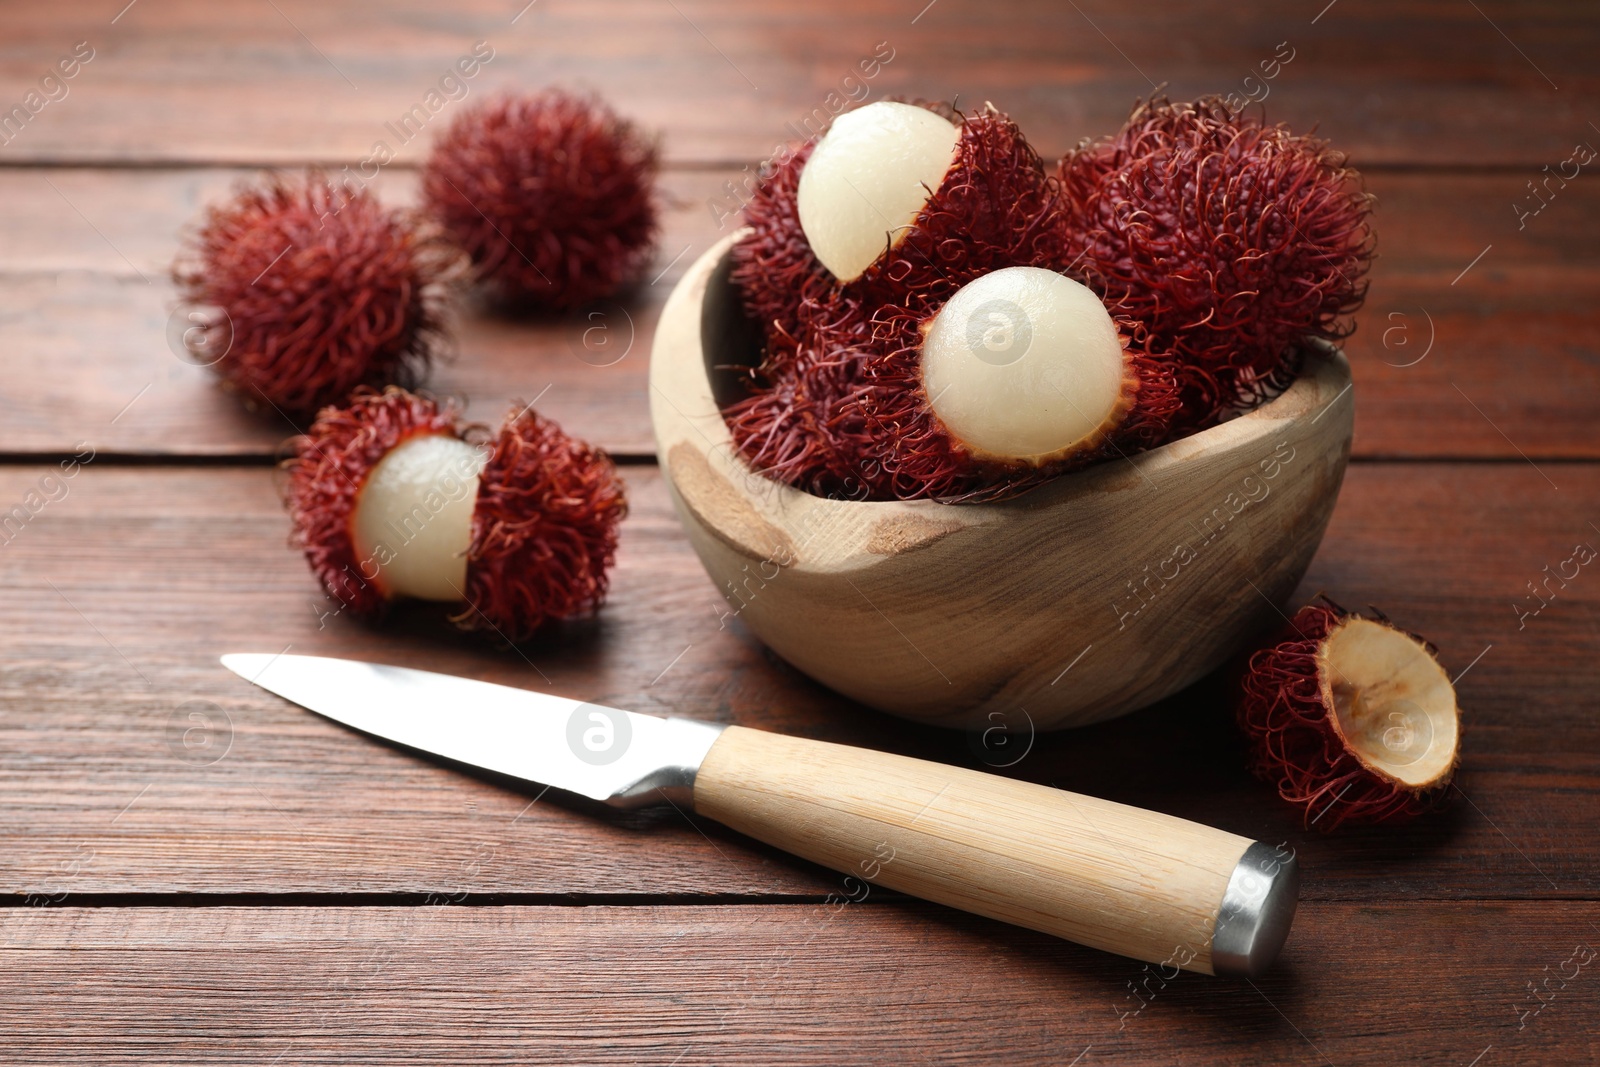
[1119,878]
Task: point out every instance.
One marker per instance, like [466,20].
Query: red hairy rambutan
[1232,241]
[318,288]
[393,496]
[773,266]
[552,195]
[1351,719]
[800,422]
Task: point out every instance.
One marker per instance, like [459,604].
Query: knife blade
[1112,876]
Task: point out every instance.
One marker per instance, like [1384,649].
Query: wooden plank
[800,984]
[83,255]
[87,256]
[297,80]
[122,593]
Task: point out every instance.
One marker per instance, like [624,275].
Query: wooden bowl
[1096,594]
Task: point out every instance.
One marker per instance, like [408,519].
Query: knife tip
[246,664]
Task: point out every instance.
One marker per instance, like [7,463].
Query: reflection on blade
[599,752]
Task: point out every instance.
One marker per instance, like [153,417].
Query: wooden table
[256,885]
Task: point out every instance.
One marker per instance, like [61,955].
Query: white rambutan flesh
[413,519]
[868,179]
[1025,363]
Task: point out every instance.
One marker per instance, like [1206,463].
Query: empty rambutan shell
[313,288]
[1231,240]
[552,195]
[392,496]
[1351,719]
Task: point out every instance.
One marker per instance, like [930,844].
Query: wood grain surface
[822,983]
[89,316]
[193,871]
[294,79]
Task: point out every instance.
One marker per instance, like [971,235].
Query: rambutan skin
[321,289]
[1294,742]
[544,530]
[1231,240]
[773,265]
[326,470]
[552,195]
[801,422]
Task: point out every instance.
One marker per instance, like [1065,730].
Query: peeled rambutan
[392,496]
[317,288]
[896,200]
[1022,374]
[1231,240]
[551,194]
[1351,719]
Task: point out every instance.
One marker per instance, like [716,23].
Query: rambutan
[1022,374]
[801,423]
[773,266]
[551,194]
[317,288]
[1351,719]
[392,496]
[896,200]
[1230,240]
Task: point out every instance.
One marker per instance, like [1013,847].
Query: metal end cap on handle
[1257,910]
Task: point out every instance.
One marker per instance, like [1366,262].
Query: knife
[1114,877]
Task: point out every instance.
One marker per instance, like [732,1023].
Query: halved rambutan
[552,195]
[392,496]
[1231,240]
[1350,718]
[313,288]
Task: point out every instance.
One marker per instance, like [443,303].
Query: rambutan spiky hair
[773,266]
[552,195]
[800,424]
[544,530]
[544,520]
[320,288]
[1231,240]
[1299,702]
